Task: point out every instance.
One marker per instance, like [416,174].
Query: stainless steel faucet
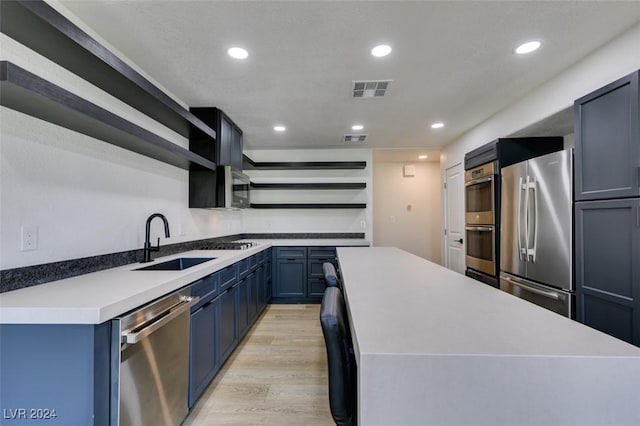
[147,244]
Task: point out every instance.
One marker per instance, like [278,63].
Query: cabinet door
[242,297]
[255,295]
[261,277]
[291,277]
[607,132]
[203,360]
[607,266]
[236,149]
[225,141]
[227,325]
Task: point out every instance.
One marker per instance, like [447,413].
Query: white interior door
[454,218]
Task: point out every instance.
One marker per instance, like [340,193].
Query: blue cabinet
[203,356]
[61,368]
[291,278]
[298,274]
[607,208]
[254,294]
[608,266]
[242,299]
[227,327]
[607,132]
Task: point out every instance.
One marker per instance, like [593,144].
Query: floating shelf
[44,30]
[249,164]
[318,185]
[27,93]
[311,206]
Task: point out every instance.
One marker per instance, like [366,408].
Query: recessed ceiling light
[422,157]
[437,125]
[381,50]
[279,128]
[357,127]
[238,53]
[528,47]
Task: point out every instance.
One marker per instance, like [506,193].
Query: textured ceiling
[452,61]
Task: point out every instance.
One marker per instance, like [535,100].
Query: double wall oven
[482,199]
[480,222]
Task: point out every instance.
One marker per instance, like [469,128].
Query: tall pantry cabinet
[607,209]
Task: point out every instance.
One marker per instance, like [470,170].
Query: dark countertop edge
[28,276]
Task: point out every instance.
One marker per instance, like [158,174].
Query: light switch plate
[409,171]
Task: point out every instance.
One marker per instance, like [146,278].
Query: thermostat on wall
[409,171]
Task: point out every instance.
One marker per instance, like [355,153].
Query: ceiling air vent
[370,88]
[355,138]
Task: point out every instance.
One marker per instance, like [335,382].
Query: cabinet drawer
[315,287]
[206,289]
[262,257]
[243,268]
[314,267]
[228,276]
[321,252]
[253,262]
[291,252]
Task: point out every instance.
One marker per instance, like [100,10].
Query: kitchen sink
[178,264]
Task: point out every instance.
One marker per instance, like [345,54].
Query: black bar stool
[340,358]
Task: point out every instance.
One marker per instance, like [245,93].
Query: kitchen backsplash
[16,278]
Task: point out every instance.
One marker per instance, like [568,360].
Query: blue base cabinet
[61,374]
[203,357]
[55,374]
[298,275]
[230,302]
[228,323]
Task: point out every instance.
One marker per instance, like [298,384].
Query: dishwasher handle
[133,336]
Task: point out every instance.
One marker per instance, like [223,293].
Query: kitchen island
[434,347]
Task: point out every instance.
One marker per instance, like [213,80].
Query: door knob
[458,241]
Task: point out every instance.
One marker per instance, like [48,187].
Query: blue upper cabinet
[607,132]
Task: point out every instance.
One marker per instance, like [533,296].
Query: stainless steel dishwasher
[150,363]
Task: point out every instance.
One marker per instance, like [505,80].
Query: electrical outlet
[180,229]
[28,238]
[363,224]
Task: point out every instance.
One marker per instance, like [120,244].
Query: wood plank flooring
[277,376]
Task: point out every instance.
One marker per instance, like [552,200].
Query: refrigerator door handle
[549,294]
[531,250]
[521,249]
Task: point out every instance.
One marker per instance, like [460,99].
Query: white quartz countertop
[100,296]
[435,347]
[395,296]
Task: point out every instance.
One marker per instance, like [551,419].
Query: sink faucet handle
[158,245]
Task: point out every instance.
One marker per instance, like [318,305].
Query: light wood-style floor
[277,376]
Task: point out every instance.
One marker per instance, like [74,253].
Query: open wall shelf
[27,93]
[44,30]
[249,164]
[318,185]
[310,206]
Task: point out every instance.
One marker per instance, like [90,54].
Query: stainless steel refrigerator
[536,231]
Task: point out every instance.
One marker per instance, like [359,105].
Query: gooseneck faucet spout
[148,248]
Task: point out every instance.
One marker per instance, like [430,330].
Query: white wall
[84,196]
[406,210]
[614,60]
[312,220]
